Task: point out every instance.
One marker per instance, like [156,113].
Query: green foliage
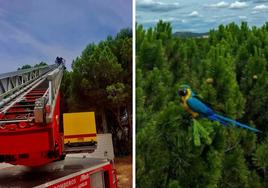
[174,184]
[229,71]
[25,67]
[117,92]
[260,156]
[102,72]
[36,65]
[42,63]
[235,171]
[200,132]
[101,81]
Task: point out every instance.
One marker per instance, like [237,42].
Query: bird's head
[185,92]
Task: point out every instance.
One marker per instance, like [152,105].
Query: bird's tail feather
[225,121]
[215,118]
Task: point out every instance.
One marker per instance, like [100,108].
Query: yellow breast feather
[185,105]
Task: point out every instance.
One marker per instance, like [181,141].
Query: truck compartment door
[79,132]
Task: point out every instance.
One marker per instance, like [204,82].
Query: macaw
[193,104]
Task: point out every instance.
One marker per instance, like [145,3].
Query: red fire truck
[30,134]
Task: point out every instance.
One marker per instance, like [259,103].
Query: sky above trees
[33,31]
[201,15]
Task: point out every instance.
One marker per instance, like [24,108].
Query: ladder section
[11,94]
[28,105]
[13,81]
[23,109]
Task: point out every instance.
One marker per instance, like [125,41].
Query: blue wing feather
[199,107]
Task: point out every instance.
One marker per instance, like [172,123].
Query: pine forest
[228,68]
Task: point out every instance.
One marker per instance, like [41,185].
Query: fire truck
[34,136]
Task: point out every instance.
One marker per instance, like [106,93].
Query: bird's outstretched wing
[197,106]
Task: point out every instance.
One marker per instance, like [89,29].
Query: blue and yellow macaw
[196,107]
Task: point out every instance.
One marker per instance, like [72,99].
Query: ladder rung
[23,106]
[32,98]
[16,120]
[23,102]
[19,112]
[34,94]
[28,101]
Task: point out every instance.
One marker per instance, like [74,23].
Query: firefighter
[59,60]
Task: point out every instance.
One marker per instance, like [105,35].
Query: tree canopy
[101,81]
[29,66]
[229,70]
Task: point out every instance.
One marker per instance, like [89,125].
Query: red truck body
[30,135]
[31,144]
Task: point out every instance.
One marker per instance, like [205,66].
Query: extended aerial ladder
[31,134]
[19,91]
[30,115]
[31,128]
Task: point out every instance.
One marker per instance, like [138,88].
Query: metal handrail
[54,79]
[13,81]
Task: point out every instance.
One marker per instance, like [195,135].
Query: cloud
[146,21]
[259,1]
[221,4]
[261,7]
[170,19]
[194,14]
[238,5]
[33,32]
[9,63]
[156,6]
[210,13]
[255,12]
[242,17]
[174,19]
[20,38]
[3,12]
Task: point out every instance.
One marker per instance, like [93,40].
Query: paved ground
[123,167]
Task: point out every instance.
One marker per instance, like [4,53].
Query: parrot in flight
[196,107]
